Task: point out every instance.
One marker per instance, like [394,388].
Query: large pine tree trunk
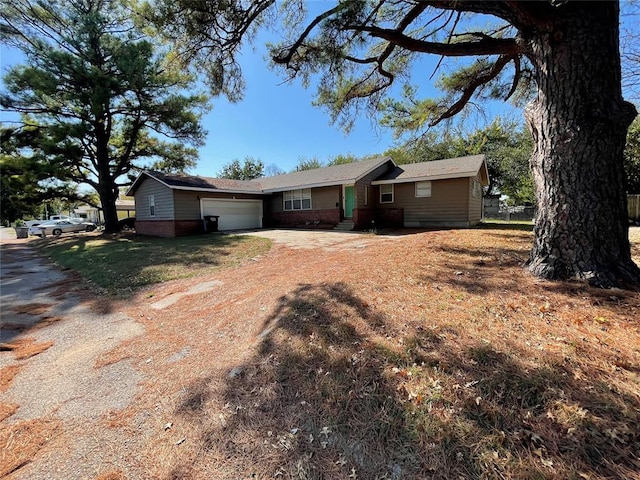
[107,188]
[579,123]
[108,196]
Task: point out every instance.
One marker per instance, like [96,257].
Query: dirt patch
[20,442]
[326,240]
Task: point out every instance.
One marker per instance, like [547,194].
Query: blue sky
[277,123]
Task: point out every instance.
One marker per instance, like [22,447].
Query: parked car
[128,223]
[34,224]
[59,227]
[33,227]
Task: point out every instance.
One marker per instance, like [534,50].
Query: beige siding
[275,203]
[323,198]
[187,203]
[163,199]
[475,203]
[365,182]
[447,205]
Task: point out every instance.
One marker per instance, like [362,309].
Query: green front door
[349,201]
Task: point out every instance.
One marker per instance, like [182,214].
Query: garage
[234,214]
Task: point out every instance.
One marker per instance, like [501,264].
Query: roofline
[382,161]
[425,178]
[215,190]
[193,189]
[486,170]
[134,186]
[346,181]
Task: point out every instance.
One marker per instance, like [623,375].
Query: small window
[423,189]
[297,199]
[152,206]
[477,189]
[386,193]
[366,195]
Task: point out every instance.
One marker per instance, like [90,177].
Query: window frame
[299,196]
[476,189]
[417,189]
[392,193]
[365,200]
[152,205]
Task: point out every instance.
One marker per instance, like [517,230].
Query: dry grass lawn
[435,355]
[24,348]
[20,442]
[432,356]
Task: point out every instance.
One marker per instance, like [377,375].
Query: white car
[33,227]
[59,227]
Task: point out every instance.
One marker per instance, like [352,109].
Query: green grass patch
[123,264]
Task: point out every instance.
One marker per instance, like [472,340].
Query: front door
[349,201]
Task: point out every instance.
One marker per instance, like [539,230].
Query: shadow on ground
[334,391]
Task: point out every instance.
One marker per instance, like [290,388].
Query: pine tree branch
[473,85]
[484,46]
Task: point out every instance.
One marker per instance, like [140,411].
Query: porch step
[344,226]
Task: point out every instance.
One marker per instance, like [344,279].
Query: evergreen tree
[103,99]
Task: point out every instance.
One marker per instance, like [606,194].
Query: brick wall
[390,218]
[169,228]
[362,218]
[302,217]
[188,227]
[156,228]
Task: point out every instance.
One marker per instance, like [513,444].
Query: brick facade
[363,218]
[305,217]
[390,218]
[169,228]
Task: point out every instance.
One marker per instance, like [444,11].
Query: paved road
[43,304]
[26,280]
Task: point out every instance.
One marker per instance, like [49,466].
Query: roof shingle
[209,183]
[333,175]
[450,168]
[344,174]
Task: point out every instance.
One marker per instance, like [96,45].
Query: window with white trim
[423,189]
[297,199]
[152,205]
[386,193]
[366,195]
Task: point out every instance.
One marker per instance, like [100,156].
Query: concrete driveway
[325,239]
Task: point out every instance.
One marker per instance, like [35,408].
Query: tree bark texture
[108,195]
[107,189]
[579,123]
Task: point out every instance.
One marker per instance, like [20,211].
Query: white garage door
[234,214]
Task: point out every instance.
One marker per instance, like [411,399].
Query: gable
[462,167]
